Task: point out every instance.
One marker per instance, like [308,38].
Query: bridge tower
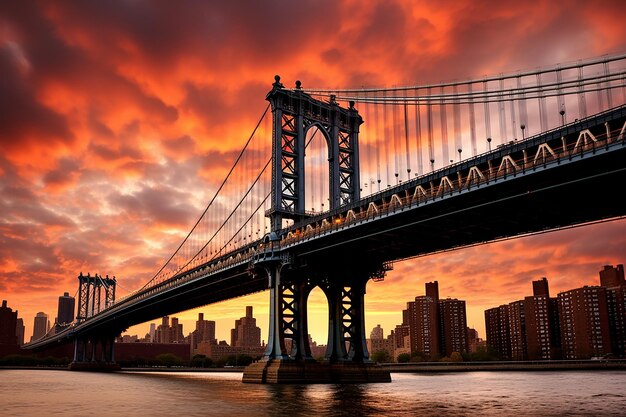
[347,360]
[294,112]
[94,351]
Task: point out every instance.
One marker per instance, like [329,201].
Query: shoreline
[429,367]
[425,367]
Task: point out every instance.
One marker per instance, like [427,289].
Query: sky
[119,118]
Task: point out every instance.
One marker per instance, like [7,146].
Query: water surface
[63,393]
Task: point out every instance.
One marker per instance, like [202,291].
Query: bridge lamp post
[460,150]
[523,127]
[562,113]
[489,143]
[432,165]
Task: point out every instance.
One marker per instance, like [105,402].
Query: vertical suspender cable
[377,144]
[406,139]
[582,103]
[607,85]
[429,120]
[523,110]
[543,121]
[418,134]
[487,111]
[502,113]
[513,120]
[396,139]
[456,114]
[472,116]
[444,130]
[385,138]
[561,97]
[600,85]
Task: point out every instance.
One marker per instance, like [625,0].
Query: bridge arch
[317,168]
[318,317]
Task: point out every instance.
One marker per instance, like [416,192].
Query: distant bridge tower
[90,295]
[94,351]
[294,113]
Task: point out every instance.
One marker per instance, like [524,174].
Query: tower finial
[277,83]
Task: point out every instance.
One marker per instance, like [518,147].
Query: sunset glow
[118,121]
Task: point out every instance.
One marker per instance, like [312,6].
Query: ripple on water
[25,393]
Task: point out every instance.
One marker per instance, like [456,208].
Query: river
[547,393]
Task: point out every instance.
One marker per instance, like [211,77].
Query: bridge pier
[347,358]
[346,321]
[84,362]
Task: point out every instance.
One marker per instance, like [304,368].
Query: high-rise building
[205,329]
[176,330]
[452,326]
[163,332]
[41,326]
[472,340]
[542,326]
[204,332]
[517,330]
[65,314]
[424,326]
[540,287]
[246,333]
[377,342]
[613,279]
[432,290]
[377,333]
[584,321]
[402,334]
[498,331]
[436,327]
[20,331]
[152,333]
[8,325]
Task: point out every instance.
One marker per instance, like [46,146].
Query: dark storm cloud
[22,116]
[222,31]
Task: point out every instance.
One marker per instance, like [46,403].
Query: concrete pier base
[276,371]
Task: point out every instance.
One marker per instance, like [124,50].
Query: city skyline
[120,125]
[152,332]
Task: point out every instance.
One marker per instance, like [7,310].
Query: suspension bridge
[335,185]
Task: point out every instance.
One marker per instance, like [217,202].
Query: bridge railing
[242,256]
[425,189]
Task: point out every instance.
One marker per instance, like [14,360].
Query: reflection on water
[44,392]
